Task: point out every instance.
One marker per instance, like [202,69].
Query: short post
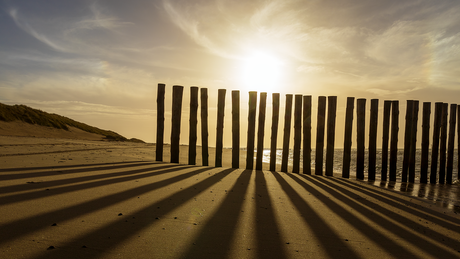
[235,129]
[287,133]
[443,145]
[331,115]
[348,136]
[407,139]
[320,123]
[413,141]
[394,139]
[274,133]
[373,121]
[251,130]
[261,131]
[435,145]
[360,125]
[175,122]
[204,126]
[297,132]
[192,125]
[385,139]
[425,142]
[220,126]
[160,122]
[450,147]
[306,134]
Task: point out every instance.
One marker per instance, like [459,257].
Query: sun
[261,72]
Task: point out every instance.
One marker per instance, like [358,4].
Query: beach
[63,198]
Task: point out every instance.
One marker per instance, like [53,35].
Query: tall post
[443,145]
[192,125]
[435,145]
[261,131]
[307,134]
[385,138]
[175,122]
[360,141]
[320,121]
[297,132]
[413,142]
[407,139]
[394,139]
[331,115]
[348,136]
[204,126]
[160,122]
[274,136]
[373,121]
[450,148]
[425,142]
[220,126]
[458,142]
[235,129]
[287,133]
[251,130]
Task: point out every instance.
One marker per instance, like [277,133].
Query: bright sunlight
[261,72]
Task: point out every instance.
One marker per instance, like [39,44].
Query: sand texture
[63,198]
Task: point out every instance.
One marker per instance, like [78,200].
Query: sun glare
[261,72]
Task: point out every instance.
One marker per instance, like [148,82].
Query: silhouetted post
[274,136]
[261,130]
[385,139]
[425,142]
[348,136]
[204,126]
[235,129]
[297,132]
[394,139]
[320,121]
[360,127]
[307,134]
[450,147]
[407,138]
[331,115]
[160,121]
[251,130]
[175,122]
[287,133]
[413,142]
[220,126]
[192,125]
[458,142]
[373,120]
[435,145]
[443,145]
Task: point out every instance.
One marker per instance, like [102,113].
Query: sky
[99,62]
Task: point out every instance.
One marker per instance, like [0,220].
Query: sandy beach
[63,198]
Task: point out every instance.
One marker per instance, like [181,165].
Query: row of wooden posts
[302,125]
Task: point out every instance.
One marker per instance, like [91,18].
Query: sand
[77,198]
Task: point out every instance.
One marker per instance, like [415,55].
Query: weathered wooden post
[331,115]
[435,145]
[450,148]
[385,139]
[407,139]
[204,126]
[443,144]
[394,139]
[413,141]
[235,129]
[297,132]
[320,123]
[220,126]
[192,125]
[160,122]
[175,122]
[425,142]
[373,121]
[287,133]
[306,134]
[261,131]
[348,136]
[274,133]
[360,141]
[251,130]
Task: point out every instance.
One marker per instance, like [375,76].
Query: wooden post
[297,132]
[274,136]
[287,133]
[307,134]
[385,139]
[220,126]
[458,142]
[450,148]
[192,125]
[407,139]
[394,139]
[360,126]
[331,115]
[435,145]
[235,129]
[160,122]
[425,142]
[373,121]
[204,126]
[251,130]
[320,121]
[413,142]
[175,122]
[443,145]
[348,136]
[261,130]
